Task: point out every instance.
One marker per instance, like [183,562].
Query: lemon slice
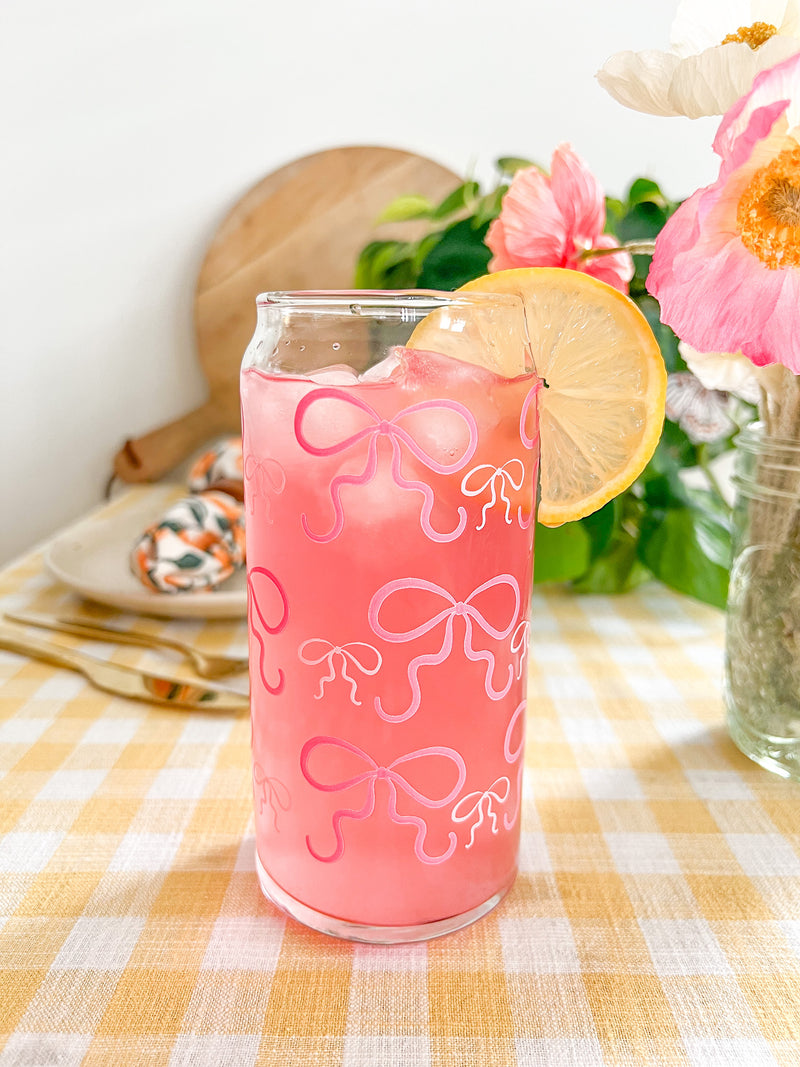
[602,408]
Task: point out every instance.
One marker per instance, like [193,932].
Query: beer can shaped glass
[390,486]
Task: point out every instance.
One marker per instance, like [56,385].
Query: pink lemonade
[389,551]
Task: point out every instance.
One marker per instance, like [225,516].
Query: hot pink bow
[261,577]
[394,781]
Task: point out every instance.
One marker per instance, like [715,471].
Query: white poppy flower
[730,372]
[716,49]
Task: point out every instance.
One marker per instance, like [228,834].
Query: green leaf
[711,504]
[616,567]
[460,198]
[667,340]
[488,207]
[646,191]
[663,489]
[672,545]
[644,221]
[617,570]
[615,211]
[561,554]
[386,265]
[403,208]
[714,539]
[674,451]
[457,258]
[511,164]
[600,526]
[423,250]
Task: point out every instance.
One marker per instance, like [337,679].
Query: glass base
[781,755]
[373,935]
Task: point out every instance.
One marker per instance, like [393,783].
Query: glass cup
[389,496]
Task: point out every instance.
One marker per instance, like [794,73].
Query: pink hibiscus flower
[726,269]
[549,222]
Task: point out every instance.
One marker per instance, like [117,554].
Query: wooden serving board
[301,227]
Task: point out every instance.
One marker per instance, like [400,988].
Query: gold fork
[206,664]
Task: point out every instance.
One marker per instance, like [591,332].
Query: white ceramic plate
[92,558]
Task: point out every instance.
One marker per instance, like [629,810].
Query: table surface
[655,919]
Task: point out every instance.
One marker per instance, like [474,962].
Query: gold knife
[123,681]
[209,665]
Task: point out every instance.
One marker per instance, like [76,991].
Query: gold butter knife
[123,681]
[206,664]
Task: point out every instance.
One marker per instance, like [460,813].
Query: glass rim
[356,300]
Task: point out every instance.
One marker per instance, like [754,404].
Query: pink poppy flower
[726,269]
[549,222]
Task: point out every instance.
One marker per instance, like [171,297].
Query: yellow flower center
[754,35]
[768,215]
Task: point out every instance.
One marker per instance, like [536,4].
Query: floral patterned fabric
[220,468]
[194,547]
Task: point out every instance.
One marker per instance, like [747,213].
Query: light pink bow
[529,440]
[258,577]
[266,477]
[519,643]
[399,438]
[328,654]
[481,805]
[464,609]
[394,781]
[515,756]
[273,792]
[495,480]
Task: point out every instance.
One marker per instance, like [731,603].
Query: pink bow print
[259,577]
[482,806]
[394,781]
[267,477]
[399,438]
[495,480]
[519,643]
[464,609]
[512,756]
[526,438]
[328,654]
[273,792]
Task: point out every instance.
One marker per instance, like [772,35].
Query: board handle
[148,458]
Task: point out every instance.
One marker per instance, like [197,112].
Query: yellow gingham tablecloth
[655,920]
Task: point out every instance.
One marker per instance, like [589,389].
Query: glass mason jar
[762,647]
[389,495]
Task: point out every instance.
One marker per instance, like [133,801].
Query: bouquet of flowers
[726,272]
[716,278]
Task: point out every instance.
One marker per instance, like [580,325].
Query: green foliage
[459,256]
[660,527]
[406,207]
[509,165]
[562,554]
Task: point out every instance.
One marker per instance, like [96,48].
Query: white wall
[129,129]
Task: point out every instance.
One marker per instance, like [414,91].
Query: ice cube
[385,369]
[337,374]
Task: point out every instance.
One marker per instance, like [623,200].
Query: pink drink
[389,568]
